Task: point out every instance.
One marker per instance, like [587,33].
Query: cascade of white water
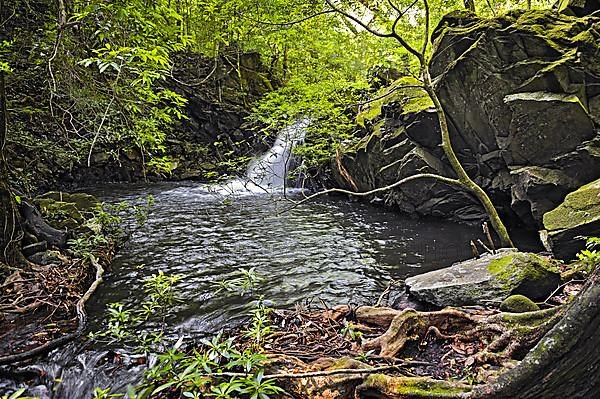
[270,171]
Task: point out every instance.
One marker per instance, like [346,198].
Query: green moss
[518,304]
[497,266]
[60,214]
[408,99]
[414,387]
[515,268]
[579,208]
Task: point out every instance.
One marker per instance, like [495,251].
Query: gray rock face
[522,97]
[489,278]
[578,7]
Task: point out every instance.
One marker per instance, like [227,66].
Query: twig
[82,321]
[491,252]
[384,293]
[389,93]
[559,288]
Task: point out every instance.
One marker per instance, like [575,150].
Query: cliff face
[522,95]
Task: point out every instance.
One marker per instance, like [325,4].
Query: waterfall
[268,173]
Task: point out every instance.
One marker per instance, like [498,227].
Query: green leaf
[163,387]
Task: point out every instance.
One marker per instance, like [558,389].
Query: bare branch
[403,364]
[394,7]
[446,180]
[358,21]
[395,89]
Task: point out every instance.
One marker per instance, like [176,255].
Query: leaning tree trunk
[9,216]
[565,363]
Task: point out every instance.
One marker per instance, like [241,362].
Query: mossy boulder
[82,201]
[525,127]
[518,304]
[396,98]
[67,211]
[578,215]
[491,278]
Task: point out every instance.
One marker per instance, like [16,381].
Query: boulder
[578,8]
[490,278]
[82,201]
[578,216]
[536,190]
[518,304]
[525,127]
[66,211]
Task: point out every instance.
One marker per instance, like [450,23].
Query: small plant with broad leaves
[205,371]
[589,258]
[241,282]
[161,293]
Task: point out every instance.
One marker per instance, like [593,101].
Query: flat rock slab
[489,278]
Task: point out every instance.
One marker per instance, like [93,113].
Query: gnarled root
[499,336]
[410,325]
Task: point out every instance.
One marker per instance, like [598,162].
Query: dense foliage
[90,77]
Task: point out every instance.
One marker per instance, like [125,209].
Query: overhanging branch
[446,180]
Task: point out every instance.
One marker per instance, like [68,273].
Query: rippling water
[331,249]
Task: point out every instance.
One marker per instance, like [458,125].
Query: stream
[334,251]
[331,250]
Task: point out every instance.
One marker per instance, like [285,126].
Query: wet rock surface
[525,126]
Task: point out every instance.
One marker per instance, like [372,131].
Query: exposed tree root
[474,344]
[62,339]
[498,337]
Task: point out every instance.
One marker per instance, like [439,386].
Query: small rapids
[328,250]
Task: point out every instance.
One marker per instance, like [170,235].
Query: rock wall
[522,95]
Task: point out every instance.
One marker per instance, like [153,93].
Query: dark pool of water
[333,250]
[330,249]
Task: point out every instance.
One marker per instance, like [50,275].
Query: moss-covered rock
[402,100]
[82,201]
[518,304]
[578,215]
[65,210]
[491,278]
[524,126]
[386,386]
[525,273]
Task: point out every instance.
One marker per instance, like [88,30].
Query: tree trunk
[463,177]
[565,363]
[10,233]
